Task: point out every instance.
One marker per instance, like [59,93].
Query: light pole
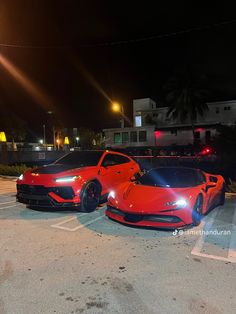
[44,135]
[77,141]
[116,107]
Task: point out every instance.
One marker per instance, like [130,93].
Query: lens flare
[31,88]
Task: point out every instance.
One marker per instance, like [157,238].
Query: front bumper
[39,195]
[145,220]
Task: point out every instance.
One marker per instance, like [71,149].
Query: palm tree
[186,98]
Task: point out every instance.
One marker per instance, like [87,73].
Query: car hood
[53,169]
[140,198]
[46,175]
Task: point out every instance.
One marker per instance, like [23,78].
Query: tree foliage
[186,97]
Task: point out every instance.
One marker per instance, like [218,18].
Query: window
[133,136]
[125,137]
[142,136]
[173,132]
[197,135]
[109,160]
[200,178]
[117,138]
[155,115]
[138,121]
[217,110]
[113,159]
[208,134]
[121,159]
[227,108]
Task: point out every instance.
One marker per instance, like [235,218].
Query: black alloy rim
[91,198]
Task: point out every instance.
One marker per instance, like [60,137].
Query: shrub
[14,170]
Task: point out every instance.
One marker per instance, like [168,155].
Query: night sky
[72,54]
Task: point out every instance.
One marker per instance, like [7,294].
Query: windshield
[81,159]
[171,178]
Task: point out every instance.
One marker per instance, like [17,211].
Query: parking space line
[200,242]
[7,202]
[78,227]
[8,206]
[232,245]
[67,220]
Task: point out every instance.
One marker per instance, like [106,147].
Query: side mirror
[133,179]
[209,186]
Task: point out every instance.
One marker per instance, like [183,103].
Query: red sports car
[79,178]
[167,197]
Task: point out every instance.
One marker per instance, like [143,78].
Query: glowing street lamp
[58,143]
[116,107]
[77,141]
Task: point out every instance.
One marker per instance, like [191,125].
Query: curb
[9,177]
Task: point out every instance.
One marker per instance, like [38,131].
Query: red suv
[81,178]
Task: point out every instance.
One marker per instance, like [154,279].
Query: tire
[197,212]
[222,196]
[90,197]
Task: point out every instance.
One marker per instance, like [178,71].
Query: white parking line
[8,206]
[232,245]
[200,242]
[78,227]
[65,221]
[7,202]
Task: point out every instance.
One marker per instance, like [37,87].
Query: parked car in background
[80,178]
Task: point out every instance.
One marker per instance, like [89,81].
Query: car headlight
[21,177]
[112,194]
[180,203]
[66,179]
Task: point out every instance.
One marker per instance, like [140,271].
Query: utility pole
[44,136]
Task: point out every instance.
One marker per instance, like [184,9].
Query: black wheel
[90,197]
[222,196]
[197,212]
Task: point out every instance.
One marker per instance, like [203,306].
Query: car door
[213,190]
[128,167]
[110,173]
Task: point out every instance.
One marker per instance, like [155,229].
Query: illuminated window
[138,121]
[117,138]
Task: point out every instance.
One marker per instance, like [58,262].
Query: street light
[77,141]
[44,135]
[58,143]
[116,107]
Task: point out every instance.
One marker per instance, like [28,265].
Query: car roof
[175,167]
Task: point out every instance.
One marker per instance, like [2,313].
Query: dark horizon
[73,54]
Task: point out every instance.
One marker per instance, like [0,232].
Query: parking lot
[70,262]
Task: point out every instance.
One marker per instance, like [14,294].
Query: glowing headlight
[21,177]
[112,194]
[66,179]
[179,203]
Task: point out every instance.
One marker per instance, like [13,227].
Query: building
[152,127]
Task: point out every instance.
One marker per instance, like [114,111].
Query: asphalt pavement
[70,262]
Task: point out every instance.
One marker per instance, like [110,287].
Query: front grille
[140,217]
[32,189]
[40,201]
[66,192]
